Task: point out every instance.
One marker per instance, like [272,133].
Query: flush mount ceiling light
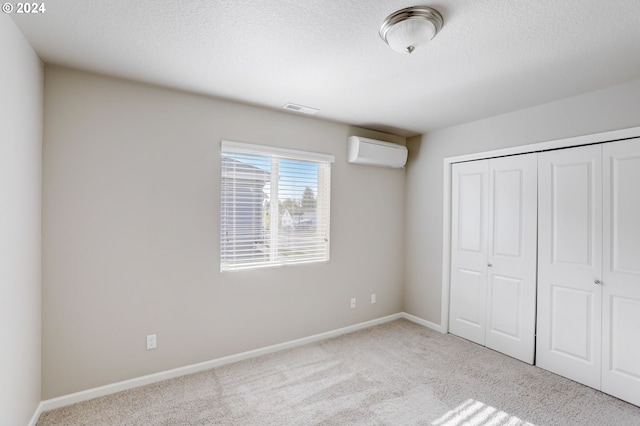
[411,27]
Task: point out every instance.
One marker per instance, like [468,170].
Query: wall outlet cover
[152,341]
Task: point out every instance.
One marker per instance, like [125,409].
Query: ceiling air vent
[300,108]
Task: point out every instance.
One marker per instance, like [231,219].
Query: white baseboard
[423,322]
[51,404]
[62,401]
[36,415]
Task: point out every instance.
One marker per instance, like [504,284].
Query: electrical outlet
[373,298]
[152,341]
[353,302]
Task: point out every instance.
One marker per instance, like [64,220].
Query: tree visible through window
[274,206]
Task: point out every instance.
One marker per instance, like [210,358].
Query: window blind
[275,206]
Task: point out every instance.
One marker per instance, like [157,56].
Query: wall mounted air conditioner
[375,153]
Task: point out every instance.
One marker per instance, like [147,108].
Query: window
[274,206]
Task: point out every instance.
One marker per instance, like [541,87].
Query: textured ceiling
[491,57]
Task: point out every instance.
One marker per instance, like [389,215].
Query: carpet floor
[397,373]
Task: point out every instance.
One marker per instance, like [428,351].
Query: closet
[589,266]
[549,243]
[493,263]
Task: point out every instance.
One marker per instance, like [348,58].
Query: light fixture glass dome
[410,28]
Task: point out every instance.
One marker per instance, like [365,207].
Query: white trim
[422,322]
[51,404]
[446,248]
[36,415]
[632,132]
[252,148]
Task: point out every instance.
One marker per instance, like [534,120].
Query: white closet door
[470,202]
[621,271]
[570,263]
[511,278]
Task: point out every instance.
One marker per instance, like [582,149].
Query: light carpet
[397,373]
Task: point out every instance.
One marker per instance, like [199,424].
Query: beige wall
[20,243]
[611,109]
[131,234]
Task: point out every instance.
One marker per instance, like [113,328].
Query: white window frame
[322,230]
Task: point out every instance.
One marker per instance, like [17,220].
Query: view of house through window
[274,206]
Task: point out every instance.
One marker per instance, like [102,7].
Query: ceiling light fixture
[411,27]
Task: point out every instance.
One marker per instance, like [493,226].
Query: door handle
[489,265]
[597,282]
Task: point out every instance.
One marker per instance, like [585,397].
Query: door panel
[471,212]
[507,211]
[511,288]
[572,319]
[506,292]
[625,317]
[621,270]
[570,263]
[467,310]
[571,215]
[467,293]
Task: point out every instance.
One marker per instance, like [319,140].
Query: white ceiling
[491,57]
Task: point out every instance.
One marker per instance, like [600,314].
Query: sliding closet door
[570,263]
[511,279]
[469,227]
[621,278]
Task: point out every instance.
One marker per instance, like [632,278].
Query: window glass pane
[274,210]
